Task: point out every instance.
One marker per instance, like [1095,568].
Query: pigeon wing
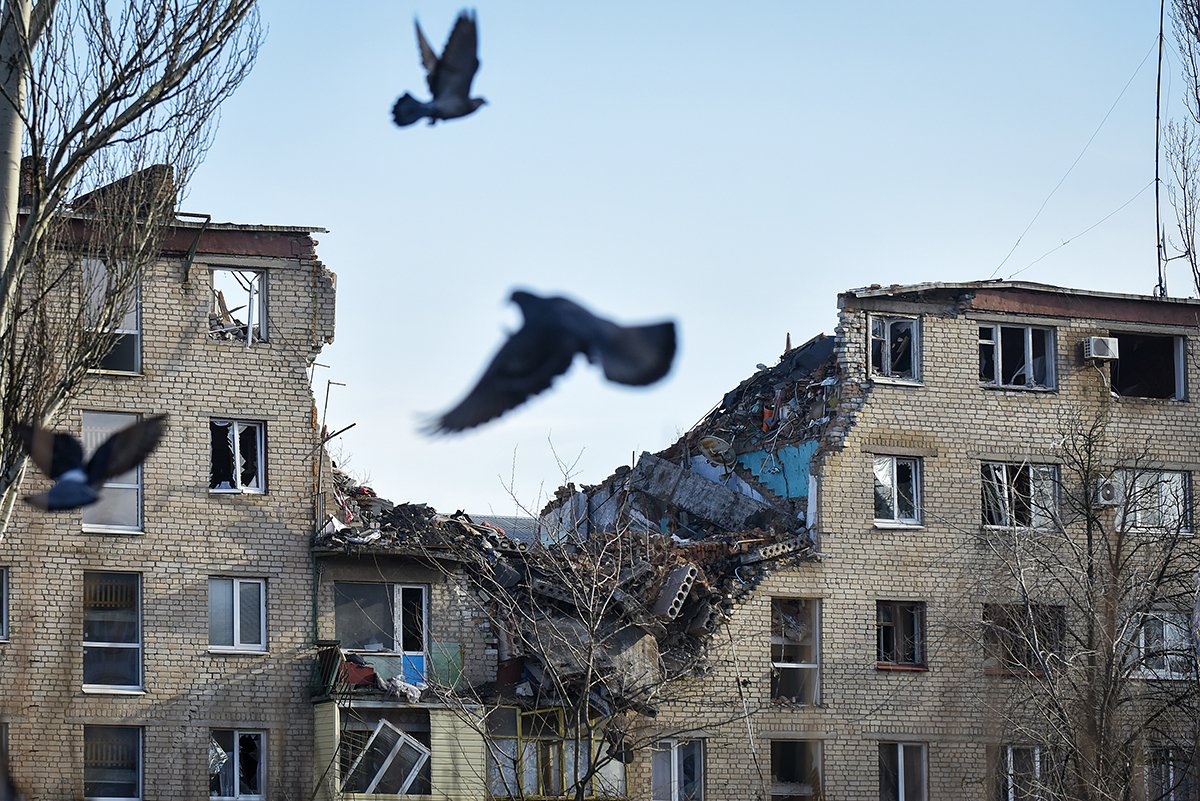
[125,449]
[429,59]
[637,354]
[524,366]
[459,62]
[54,453]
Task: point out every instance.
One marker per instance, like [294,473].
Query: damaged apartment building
[158,643]
[851,579]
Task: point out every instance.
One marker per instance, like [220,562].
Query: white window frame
[904,793]
[675,748]
[235,587]
[998,367]
[893,485]
[3,604]
[121,689]
[403,739]
[814,668]
[1043,493]
[92,269]
[1009,763]
[396,595]
[255,307]
[236,456]
[1169,493]
[141,759]
[137,485]
[1176,646]
[918,633]
[235,757]
[883,372]
[1178,775]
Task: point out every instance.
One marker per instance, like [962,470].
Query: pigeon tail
[64,495]
[638,354]
[408,110]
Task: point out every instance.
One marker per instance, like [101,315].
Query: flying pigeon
[449,76]
[555,330]
[60,456]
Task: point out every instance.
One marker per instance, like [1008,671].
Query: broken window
[795,650]
[3,603]
[796,770]
[897,490]
[1155,499]
[390,761]
[1150,366]
[900,633]
[120,504]
[389,618]
[237,619]
[902,772]
[112,763]
[114,315]
[1019,638]
[894,347]
[677,770]
[1169,775]
[1019,773]
[236,765]
[1163,646]
[534,754]
[1020,495]
[112,631]
[239,306]
[238,456]
[1016,356]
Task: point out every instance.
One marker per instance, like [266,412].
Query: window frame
[235,587]
[236,757]
[884,373]
[675,748]
[403,739]
[1001,640]
[996,344]
[1178,359]
[1038,476]
[1178,648]
[257,316]
[138,486]
[235,456]
[902,792]
[1006,787]
[1181,780]
[780,639]
[1133,484]
[141,764]
[120,330]
[897,520]
[138,645]
[396,596]
[917,609]
[783,790]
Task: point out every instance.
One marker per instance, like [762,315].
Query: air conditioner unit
[1100,348]
[1108,491]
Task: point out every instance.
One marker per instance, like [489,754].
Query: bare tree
[1084,622]
[113,106]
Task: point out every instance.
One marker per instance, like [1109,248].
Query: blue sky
[729,166]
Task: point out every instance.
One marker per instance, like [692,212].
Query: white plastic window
[897,490]
[677,770]
[112,631]
[112,763]
[1016,356]
[1020,495]
[389,764]
[124,350]
[236,765]
[902,772]
[238,457]
[895,348]
[237,619]
[1155,500]
[796,650]
[120,504]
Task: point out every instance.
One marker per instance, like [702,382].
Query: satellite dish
[717,451]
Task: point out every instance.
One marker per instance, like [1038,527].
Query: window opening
[388,618]
[235,765]
[1169,775]
[237,456]
[1016,356]
[795,650]
[237,614]
[796,770]
[1020,495]
[112,631]
[897,490]
[894,351]
[3,603]
[239,310]
[1164,645]
[1150,366]
[900,629]
[902,772]
[112,763]
[1155,499]
[117,317]
[120,504]
[1017,638]
[390,762]
[677,770]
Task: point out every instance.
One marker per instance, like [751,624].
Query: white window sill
[236,492]
[95,690]
[898,524]
[118,373]
[897,382]
[1007,388]
[227,651]
[111,530]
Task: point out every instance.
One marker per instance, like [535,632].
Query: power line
[1076,161]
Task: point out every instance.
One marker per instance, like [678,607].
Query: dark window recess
[1017,638]
[1148,366]
[236,462]
[900,628]
[123,355]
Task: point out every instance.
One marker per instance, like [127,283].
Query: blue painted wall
[785,472]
